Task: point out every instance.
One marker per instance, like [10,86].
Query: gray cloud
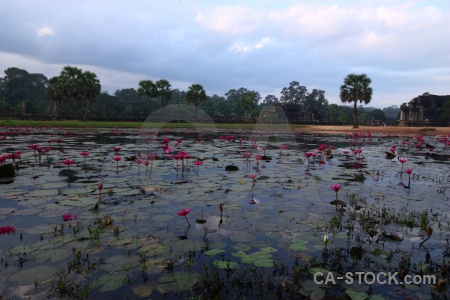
[259,45]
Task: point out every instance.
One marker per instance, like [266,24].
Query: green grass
[101,124]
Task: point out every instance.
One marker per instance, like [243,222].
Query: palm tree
[163,90]
[356,88]
[54,91]
[91,89]
[196,94]
[147,88]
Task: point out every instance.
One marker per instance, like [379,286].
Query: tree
[356,88]
[19,86]
[270,99]
[317,103]
[163,90]
[196,94]
[249,101]
[295,93]
[90,90]
[75,85]
[332,112]
[234,101]
[148,89]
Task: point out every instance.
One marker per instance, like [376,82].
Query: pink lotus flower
[402,160]
[7,230]
[264,150]
[69,162]
[247,155]
[408,171]
[116,149]
[100,186]
[34,147]
[68,217]
[184,213]
[252,176]
[198,164]
[117,158]
[336,187]
[308,154]
[84,154]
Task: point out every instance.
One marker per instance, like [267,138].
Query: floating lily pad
[33,275]
[241,237]
[213,252]
[226,264]
[143,291]
[109,282]
[53,255]
[179,281]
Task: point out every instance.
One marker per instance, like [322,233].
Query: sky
[261,45]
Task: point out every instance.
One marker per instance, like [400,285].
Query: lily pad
[179,281]
[213,252]
[221,264]
[33,275]
[109,282]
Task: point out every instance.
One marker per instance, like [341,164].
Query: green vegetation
[76,94]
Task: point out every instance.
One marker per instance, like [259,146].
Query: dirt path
[401,131]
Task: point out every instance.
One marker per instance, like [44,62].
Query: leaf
[226,264]
[108,282]
[213,252]
[33,275]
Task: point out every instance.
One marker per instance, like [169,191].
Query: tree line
[78,92]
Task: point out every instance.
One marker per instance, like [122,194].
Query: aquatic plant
[184,213]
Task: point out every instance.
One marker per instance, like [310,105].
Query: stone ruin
[423,110]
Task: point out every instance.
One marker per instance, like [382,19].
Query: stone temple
[423,110]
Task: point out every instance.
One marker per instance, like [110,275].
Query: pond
[222,214]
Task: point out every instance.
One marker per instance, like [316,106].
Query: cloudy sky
[261,45]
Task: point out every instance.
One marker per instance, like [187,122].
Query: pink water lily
[402,160]
[84,154]
[7,230]
[184,213]
[68,162]
[336,187]
[116,149]
[117,158]
[408,171]
[68,217]
[198,164]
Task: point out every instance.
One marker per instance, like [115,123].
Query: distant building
[423,110]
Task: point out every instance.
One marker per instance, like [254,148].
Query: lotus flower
[336,187]
[68,162]
[84,154]
[68,217]
[116,149]
[184,213]
[402,160]
[408,171]
[7,230]
[117,158]
[198,164]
